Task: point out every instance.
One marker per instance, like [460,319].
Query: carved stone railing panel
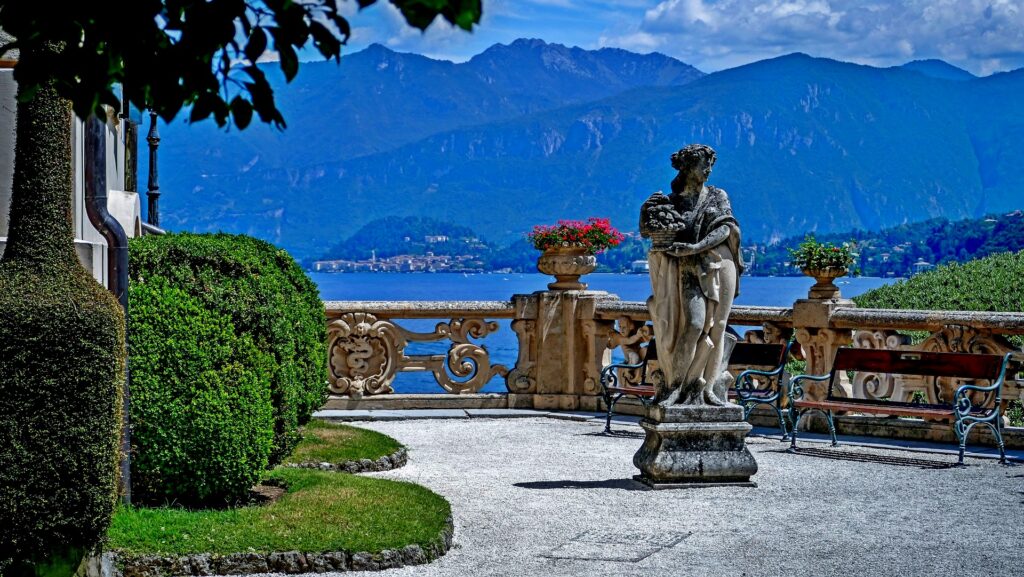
[519,380]
[819,347]
[631,336]
[883,386]
[596,334]
[769,333]
[366,351]
[362,354]
[949,339]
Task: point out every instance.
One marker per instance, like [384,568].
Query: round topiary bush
[202,423]
[267,296]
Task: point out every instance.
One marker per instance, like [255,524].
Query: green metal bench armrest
[614,366]
[795,391]
[749,392]
[962,404]
[608,373]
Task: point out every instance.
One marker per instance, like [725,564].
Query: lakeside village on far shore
[429,262]
[471,264]
[415,244]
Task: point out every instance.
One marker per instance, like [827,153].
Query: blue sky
[982,36]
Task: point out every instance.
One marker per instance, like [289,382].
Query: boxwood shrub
[991,283]
[267,296]
[62,359]
[201,413]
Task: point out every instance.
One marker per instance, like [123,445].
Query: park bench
[754,387]
[963,411]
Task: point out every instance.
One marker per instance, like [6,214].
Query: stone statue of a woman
[695,264]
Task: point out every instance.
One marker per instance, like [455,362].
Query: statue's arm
[713,239]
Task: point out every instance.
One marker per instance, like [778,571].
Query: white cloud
[980,35]
[269,56]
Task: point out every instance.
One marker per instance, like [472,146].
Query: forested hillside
[895,251]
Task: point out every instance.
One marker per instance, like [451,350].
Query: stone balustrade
[367,348]
[565,337]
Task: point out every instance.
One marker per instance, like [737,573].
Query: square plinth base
[700,485]
[696,445]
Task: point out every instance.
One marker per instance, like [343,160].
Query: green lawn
[324,442]
[320,510]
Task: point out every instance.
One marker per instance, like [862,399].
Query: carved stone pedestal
[695,446]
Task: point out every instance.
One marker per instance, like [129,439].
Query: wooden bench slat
[639,391]
[758,355]
[962,365]
[860,406]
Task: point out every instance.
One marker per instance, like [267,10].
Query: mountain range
[532,132]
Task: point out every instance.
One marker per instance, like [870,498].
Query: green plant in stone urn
[825,262]
[569,248]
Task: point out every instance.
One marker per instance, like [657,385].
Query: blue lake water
[502,345]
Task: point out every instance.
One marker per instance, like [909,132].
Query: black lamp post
[153,194]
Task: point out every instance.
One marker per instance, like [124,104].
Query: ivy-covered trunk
[62,355]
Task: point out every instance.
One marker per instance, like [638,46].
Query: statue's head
[694,156]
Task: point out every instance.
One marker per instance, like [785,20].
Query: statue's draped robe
[683,283]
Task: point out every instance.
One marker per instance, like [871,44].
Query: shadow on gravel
[837,455]
[616,434]
[624,484]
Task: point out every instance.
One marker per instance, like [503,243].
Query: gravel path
[551,497]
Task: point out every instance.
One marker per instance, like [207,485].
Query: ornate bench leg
[782,422]
[961,435]
[832,427]
[794,415]
[997,429]
[611,409]
[610,401]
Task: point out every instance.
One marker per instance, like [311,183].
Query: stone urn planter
[825,288]
[567,264]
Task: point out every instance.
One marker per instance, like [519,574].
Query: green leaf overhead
[170,54]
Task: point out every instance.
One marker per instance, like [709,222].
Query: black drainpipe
[117,260]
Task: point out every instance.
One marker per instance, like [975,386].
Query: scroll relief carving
[522,378]
[596,335]
[361,355]
[881,385]
[819,347]
[365,354]
[632,337]
[950,339]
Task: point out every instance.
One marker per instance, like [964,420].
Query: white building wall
[91,246]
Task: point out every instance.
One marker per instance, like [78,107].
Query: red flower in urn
[569,248]
[593,236]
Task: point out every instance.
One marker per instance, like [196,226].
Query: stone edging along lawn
[386,463]
[112,564]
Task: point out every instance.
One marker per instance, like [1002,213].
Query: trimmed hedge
[992,283]
[61,376]
[61,364]
[201,414]
[267,296]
